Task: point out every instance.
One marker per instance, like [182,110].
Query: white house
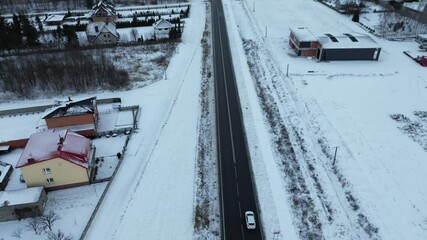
[162,28]
[101,33]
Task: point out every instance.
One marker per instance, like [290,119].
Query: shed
[22,203]
[71,114]
[347,47]
[54,20]
[303,41]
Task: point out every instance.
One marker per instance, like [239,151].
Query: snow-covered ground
[375,190]
[74,206]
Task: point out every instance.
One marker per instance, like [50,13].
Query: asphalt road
[237,192]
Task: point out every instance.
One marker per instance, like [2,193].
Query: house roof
[96,28]
[417,6]
[303,34]
[72,108]
[162,23]
[346,40]
[103,3]
[54,18]
[105,6]
[20,196]
[50,144]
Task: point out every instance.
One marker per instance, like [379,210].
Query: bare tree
[134,34]
[48,219]
[58,236]
[35,225]
[18,233]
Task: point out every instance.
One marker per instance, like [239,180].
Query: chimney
[30,160]
[96,29]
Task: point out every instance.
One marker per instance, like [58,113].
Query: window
[105,35]
[46,171]
[304,44]
[50,181]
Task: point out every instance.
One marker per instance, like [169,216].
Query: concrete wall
[17,212]
[63,172]
[70,120]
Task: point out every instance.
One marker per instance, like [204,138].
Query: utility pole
[287,70]
[265,31]
[335,156]
[253,8]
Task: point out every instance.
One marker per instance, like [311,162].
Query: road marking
[217,117]
[226,92]
[240,210]
[238,193]
[243,233]
[235,171]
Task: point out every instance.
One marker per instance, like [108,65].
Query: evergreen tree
[4,34]
[356,16]
[15,33]
[39,24]
[29,31]
[72,40]
[89,3]
[57,35]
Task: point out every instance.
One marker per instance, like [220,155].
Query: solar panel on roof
[352,38]
[333,39]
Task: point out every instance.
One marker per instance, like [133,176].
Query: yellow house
[57,159]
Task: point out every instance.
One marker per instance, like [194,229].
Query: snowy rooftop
[423,36]
[96,28]
[55,18]
[417,6]
[71,108]
[21,196]
[162,23]
[50,144]
[347,41]
[303,34]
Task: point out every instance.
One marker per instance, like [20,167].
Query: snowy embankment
[374,191]
[152,194]
[207,222]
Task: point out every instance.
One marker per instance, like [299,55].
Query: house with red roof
[57,159]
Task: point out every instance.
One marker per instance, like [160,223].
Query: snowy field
[376,188]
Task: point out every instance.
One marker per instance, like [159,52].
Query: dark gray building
[22,203]
[347,47]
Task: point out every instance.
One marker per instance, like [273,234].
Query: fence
[41,108]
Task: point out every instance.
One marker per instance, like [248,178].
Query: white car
[250,220]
